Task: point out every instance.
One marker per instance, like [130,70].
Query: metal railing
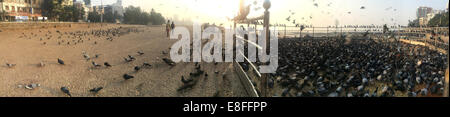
[248,70]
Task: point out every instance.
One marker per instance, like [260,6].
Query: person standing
[172,26]
[168,27]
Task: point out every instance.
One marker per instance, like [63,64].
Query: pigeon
[10,65]
[60,61]
[107,64]
[285,92]
[96,65]
[140,53]
[137,68]
[66,91]
[32,86]
[418,80]
[270,83]
[86,57]
[41,64]
[185,81]
[96,90]
[168,61]
[363,7]
[131,57]
[145,64]
[334,94]
[127,77]
[127,59]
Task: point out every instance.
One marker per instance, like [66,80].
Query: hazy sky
[327,12]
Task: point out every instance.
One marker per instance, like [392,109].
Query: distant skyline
[327,12]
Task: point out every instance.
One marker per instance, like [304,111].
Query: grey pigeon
[96,90]
[127,77]
[66,91]
[60,61]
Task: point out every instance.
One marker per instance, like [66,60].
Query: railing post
[313,32]
[284,31]
[327,32]
[264,77]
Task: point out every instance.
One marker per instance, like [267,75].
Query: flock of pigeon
[79,37]
[360,67]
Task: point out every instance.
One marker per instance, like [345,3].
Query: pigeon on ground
[137,68]
[140,53]
[86,57]
[169,62]
[127,59]
[96,90]
[107,64]
[41,64]
[66,91]
[60,61]
[145,64]
[10,65]
[131,57]
[127,77]
[185,81]
[96,65]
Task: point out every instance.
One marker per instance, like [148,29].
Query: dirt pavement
[79,76]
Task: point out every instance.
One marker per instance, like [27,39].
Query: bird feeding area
[212,51]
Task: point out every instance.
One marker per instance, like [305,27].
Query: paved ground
[79,76]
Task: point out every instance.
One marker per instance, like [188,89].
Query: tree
[156,18]
[94,17]
[440,20]
[134,15]
[414,23]
[66,14]
[52,9]
[87,2]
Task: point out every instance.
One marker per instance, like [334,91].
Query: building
[68,2]
[117,8]
[423,11]
[20,10]
[82,6]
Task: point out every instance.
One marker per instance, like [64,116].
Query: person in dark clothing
[172,26]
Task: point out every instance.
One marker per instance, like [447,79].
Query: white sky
[378,12]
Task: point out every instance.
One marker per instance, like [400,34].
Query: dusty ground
[79,76]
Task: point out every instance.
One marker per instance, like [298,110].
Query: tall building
[117,8]
[423,11]
[82,6]
[20,10]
